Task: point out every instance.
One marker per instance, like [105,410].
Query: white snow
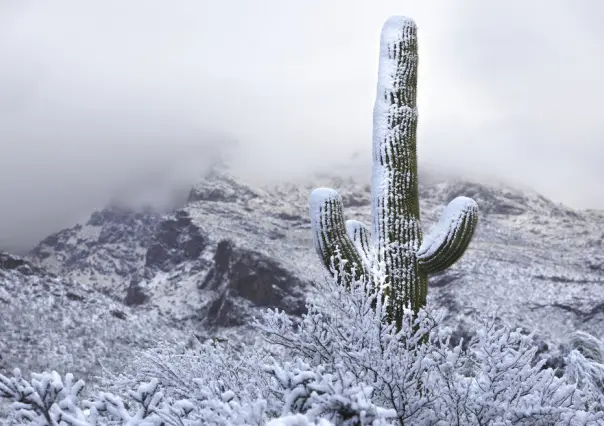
[458,209]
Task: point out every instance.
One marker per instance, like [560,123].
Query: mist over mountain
[97,103]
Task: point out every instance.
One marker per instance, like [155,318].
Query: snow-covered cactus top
[396,233]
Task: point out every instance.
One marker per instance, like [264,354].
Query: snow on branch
[340,364]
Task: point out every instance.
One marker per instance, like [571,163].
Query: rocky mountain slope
[233,250]
[213,262]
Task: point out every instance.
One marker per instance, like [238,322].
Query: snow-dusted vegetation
[342,364]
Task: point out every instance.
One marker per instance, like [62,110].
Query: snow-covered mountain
[234,249]
[55,323]
[228,252]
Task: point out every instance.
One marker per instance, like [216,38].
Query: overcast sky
[113,95]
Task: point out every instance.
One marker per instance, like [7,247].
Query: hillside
[124,277]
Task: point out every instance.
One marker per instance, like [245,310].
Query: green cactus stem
[396,239]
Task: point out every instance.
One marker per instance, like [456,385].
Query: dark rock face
[222,258]
[9,262]
[119,224]
[263,282]
[252,277]
[135,294]
[223,312]
[176,240]
[224,250]
[221,188]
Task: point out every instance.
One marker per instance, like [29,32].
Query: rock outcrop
[250,277]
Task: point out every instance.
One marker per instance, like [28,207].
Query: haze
[114,98]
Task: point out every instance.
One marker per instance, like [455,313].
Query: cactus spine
[396,239]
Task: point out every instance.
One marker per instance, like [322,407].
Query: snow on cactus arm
[330,237]
[449,239]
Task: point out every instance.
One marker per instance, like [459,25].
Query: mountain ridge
[234,249]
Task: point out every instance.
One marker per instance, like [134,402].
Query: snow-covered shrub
[341,364]
[47,399]
[585,366]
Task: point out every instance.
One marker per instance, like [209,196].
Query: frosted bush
[340,364]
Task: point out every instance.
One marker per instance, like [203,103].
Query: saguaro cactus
[396,238]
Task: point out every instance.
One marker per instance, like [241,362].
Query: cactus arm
[360,235]
[330,237]
[450,237]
